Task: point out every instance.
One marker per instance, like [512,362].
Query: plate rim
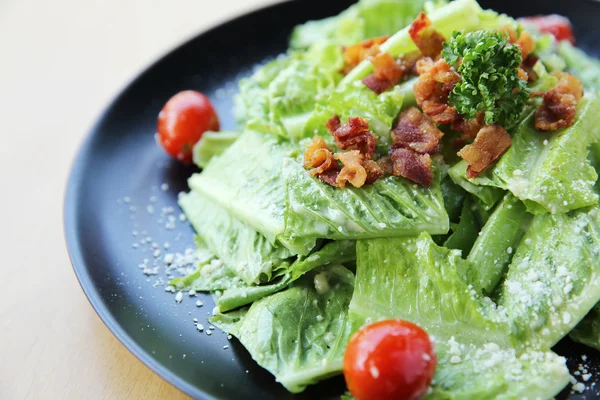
[70,208]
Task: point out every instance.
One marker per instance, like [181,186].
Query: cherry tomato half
[556,25]
[389,360]
[182,122]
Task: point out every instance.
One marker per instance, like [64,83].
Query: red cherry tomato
[389,360]
[556,25]
[182,122]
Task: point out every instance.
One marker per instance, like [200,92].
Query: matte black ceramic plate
[120,171]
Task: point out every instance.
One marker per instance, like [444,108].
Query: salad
[411,200]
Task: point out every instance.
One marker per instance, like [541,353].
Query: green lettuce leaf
[337,252]
[554,277]
[299,334]
[580,64]
[489,196]
[280,96]
[459,15]
[246,252]
[490,372]
[549,172]
[588,330]
[465,232]
[357,100]
[494,248]
[367,18]
[247,180]
[389,207]
[212,144]
[424,283]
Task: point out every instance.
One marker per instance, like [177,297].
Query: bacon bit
[412,166]
[353,170]
[354,135]
[491,142]
[470,127]
[374,171]
[387,72]
[415,131]
[560,104]
[353,55]
[319,157]
[524,41]
[386,164]
[427,39]
[330,177]
[436,81]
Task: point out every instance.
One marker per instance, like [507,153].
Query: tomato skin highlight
[182,122]
[389,360]
[558,26]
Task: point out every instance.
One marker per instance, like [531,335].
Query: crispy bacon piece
[524,40]
[387,72]
[353,170]
[330,177]
[412,166]
[356,53]
[470,127]
[491,142]
[560,104]
[415,131]
[427,39]
[319,157]
[374,171]
[354,135]
[436,81]
[386,164]
[527,67]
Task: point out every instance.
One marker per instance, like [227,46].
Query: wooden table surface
[60,63]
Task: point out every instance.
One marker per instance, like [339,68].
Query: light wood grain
[60,63]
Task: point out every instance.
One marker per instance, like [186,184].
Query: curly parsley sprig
[488,64]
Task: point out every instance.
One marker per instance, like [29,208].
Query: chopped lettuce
[389,207]
[459,15]
[494,248]
[299,334]
[212,144]
[246,180]
[487,195]
[249,254]
[366,19]
[586,68]
[465,231]
[421,282]
[549,172]
[588,330]
[338,252]
[280,96]
[357,100]
[554,277]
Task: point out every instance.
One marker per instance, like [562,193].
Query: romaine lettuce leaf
[246,252]
[299,334]
[488,195]
[580,64]
[367,18]
[212,144]
[588,330]
[280,96]
[549,172]
[494,248]
[459,15]
[554,277]
[465,232]
[389,207]
[247,181]
[421,282]
[489,372]
[357,100]
[337,252]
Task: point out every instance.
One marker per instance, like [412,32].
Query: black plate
[119,159]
